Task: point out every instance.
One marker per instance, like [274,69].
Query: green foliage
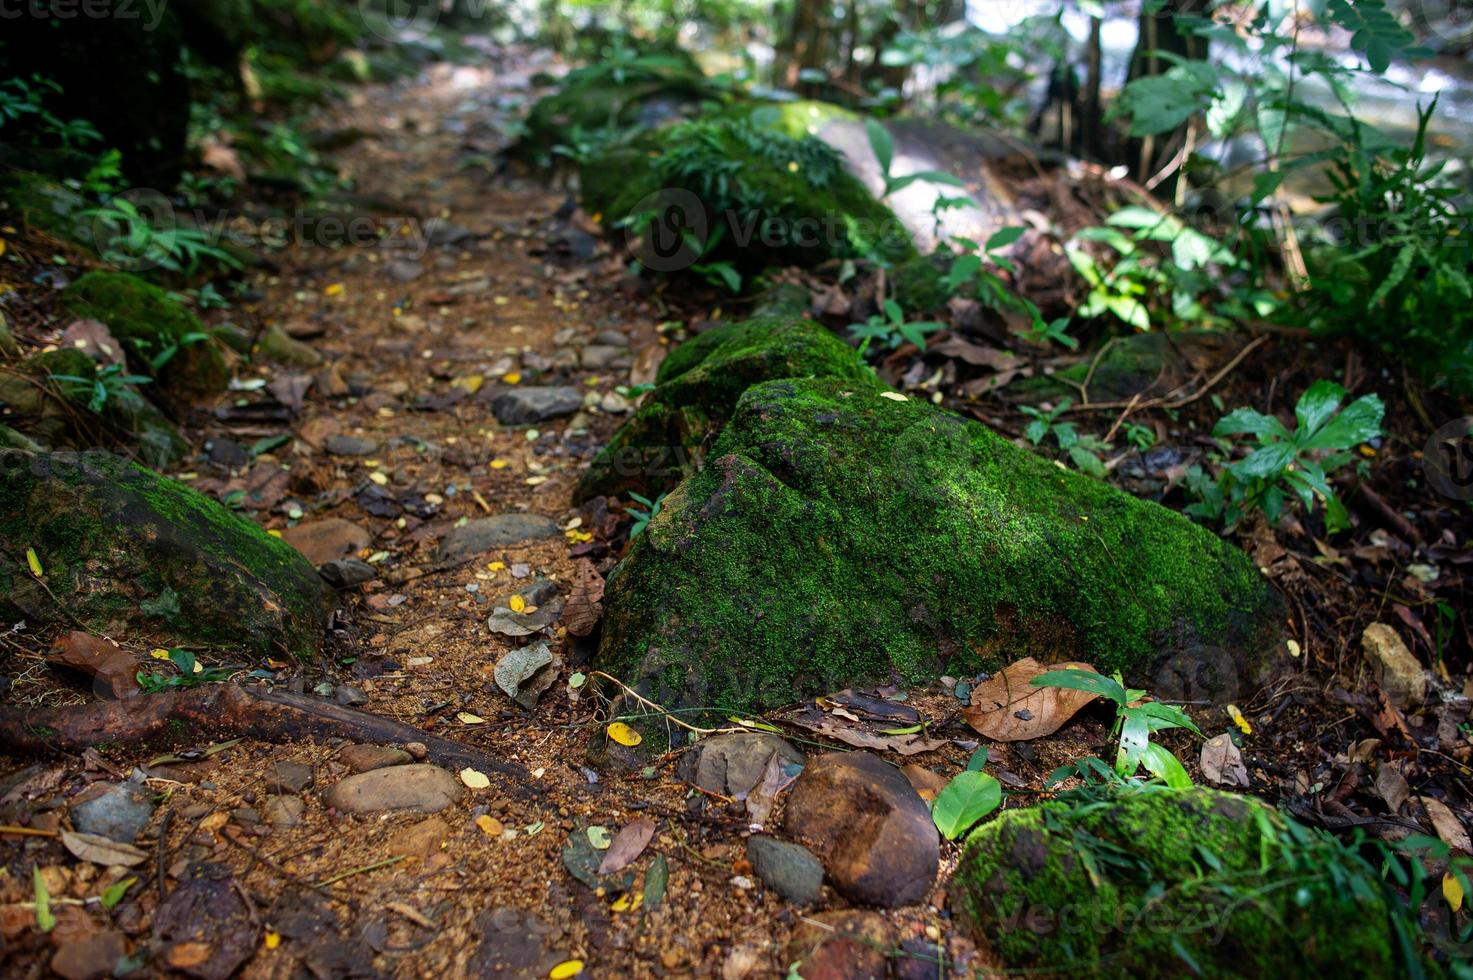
[101,388]
[890,328]
[642,518]
[190,674]
[1284,464]
[1135,721]
[1083,449]
[971,795]
[884,150]
[138,243]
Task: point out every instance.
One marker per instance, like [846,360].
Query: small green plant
[642,518]
[891,328]
[971,795]
[1135,721]
[101,388]
[884,150]
[191,674]
[138,243]
[1083,449]
[1283,464]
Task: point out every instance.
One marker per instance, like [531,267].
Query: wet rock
[117,811]
[288,777]
[350,445]
[117,540]
[789,869]
[1397,672]
[350,696]
[731,764]
[499,531]
[366,758]
[596,357]
[113,671]
[344,573]
[327,540]
[514,945]
[523,406]
[90,956]
[403,270]
[847,945]
[283,811]
[277,345]
[418,787]
[865,822]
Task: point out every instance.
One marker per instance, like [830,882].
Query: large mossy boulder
[749,192]
[696,388]
[1161,882]
[148,322]
[134,554]
[840,533]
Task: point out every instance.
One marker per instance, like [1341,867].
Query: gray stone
[597,356]
[866,823]
[117,811]
[789,869]
[612,338]
[288,777]
[420,788]
[1397,672]
[499,531]
[344,573]
[732,764]
[283,811]
[523,406]
[346,445]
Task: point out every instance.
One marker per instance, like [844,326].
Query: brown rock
[326,540]
[113,671]
[421,787]
[366,758]
[864,821]
[89,957]
[288,777]
[847,945]
[1397,672]
[420,840]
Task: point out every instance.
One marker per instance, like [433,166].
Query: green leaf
[1316,405]
[968,798]
[1359,422]
[978,760]
[1245,421]
[45,921]
[880,142]
[114,893]
[1083,680]
[1005,237]
[1165,766]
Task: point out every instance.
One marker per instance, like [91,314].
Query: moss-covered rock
[841,533]
[53,207]
[1160,882]
[131,553]
[771,197]
[147,322]
[697,386]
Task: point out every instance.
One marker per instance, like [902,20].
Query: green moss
[1159,882]
[774,198]
[697,386]
[43,203]
[796,118]
[146,321]
[112,536]
[920,285]
[837,535]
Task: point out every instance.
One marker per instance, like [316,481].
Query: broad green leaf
[1005,237]
[1266,462]
[1246,421]
[1165,766]
[880,142]
[1316,405]
[1083,680]
[1359,422]
[968,798]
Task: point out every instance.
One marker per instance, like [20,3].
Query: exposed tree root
[230,709]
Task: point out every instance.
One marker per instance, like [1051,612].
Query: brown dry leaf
[824,723]
[628,846]
[1222,762]
[1392,786]
[1447,825]
[114,671]
[585,605]
[102,850]
[1008,708]
[187,956]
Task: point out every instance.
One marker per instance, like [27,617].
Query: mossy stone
[1161,882]
[697,386]
[838,535]
[113,538]
[771,197]
[51,206]
[147,321]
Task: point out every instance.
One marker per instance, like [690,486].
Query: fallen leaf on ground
[1392,786]
[1447,825]
[851,733]
[474,778]
[102,850]
[624,735]
[1222,762]
[585,608]
[627,846]
[1008,708]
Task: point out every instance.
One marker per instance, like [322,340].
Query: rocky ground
[467,368]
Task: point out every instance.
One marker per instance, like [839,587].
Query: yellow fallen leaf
[489,825]
[517,604]
[2,246]
[624,735]
[274,533]
[273,939]
[894,396]
[34,562]
[512,377]
[474,779]
[1294,650]
[336,289]
[471,383]
[499,464]
[466,718]
[159,653]
[1239,720]
[496,566]
[628,902]
[1452,890]
[378,477]
[566,969]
